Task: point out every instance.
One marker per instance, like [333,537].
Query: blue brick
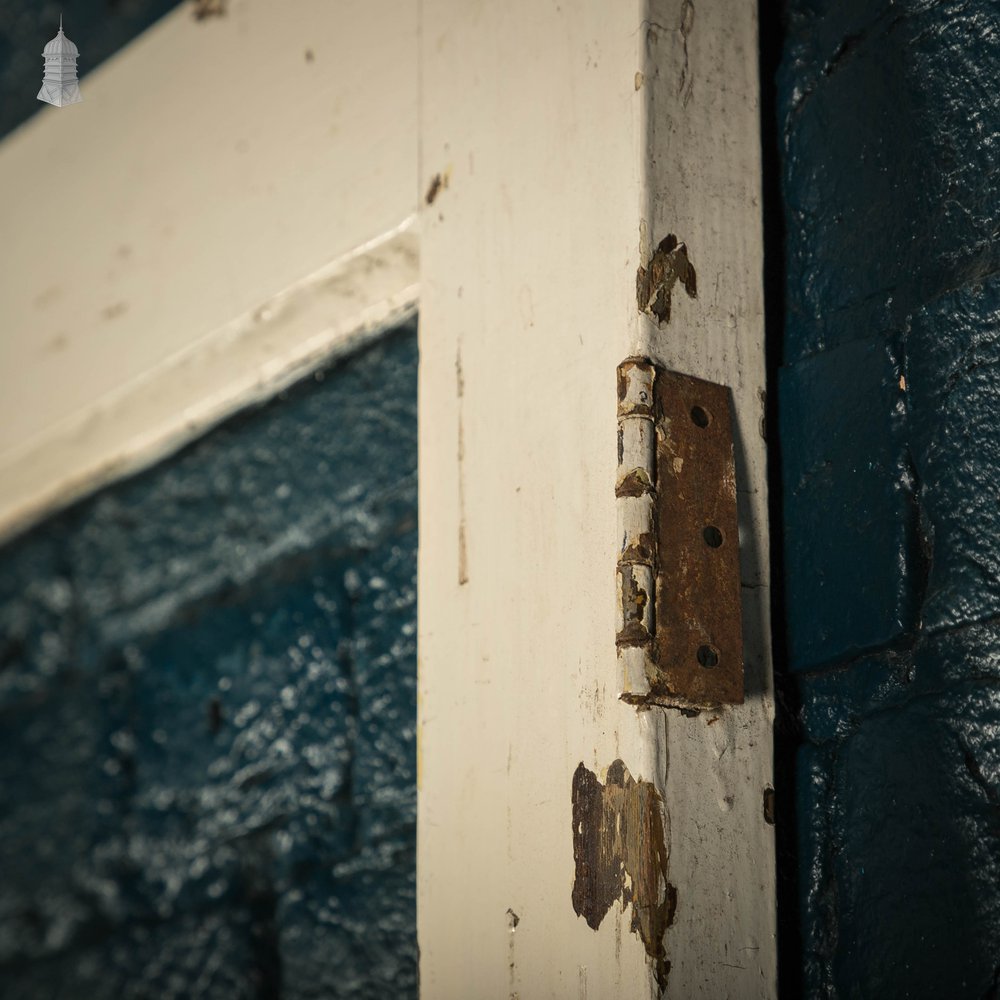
[953,391]
[848,504]
[891,125]
[901,894]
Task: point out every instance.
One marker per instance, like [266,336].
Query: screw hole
[708,656]
[712,536]
[700,417]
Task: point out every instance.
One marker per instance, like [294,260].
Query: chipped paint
[209,8]
[769,805]
[634,484]
[463,559]
[635,601]
[634,490]
[438,184]
[654,284]
[641,548]
[512,921]
[621,853]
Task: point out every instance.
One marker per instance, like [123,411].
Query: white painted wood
[220,211]
[224,207]
[702,132]
[574,137]
[246,360]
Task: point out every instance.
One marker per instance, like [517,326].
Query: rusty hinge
[679,638]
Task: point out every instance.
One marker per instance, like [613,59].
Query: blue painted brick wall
[207,713]
[889,129]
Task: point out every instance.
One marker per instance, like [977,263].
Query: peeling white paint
[518,668]
[704,184]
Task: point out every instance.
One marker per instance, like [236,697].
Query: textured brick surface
[849,504]
[899,794]
[889,120]
[207,712]
[952,351]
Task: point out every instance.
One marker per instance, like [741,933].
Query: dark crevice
[903,644]
[943,631]
[351,793]
[993,990]
[989,270]
[261,899]
[975,772]
[844,50]
[787,730]
[918,540]
[847,48]
[12,650]
[850,43]
[895,706]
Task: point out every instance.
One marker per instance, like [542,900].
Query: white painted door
[560,144]
[221,231]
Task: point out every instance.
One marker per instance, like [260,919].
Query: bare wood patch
[620,850]
[654,284]
[209,8]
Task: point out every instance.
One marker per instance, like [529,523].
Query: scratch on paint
[512,921]
[685,85]
[685,81]
[209,8]
[620,851]
[463,567]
